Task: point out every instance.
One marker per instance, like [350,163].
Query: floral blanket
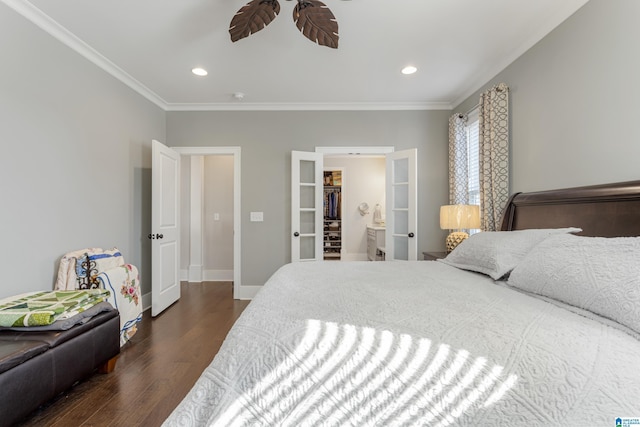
[124,284]
[45,307]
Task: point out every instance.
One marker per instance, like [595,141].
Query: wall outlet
[257,216]
[216,216]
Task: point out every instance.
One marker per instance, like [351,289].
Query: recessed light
[410,69]
[199,71]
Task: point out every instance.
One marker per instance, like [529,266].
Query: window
[473,158]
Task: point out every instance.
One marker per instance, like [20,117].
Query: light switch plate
[257,216]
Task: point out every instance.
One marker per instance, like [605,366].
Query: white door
[165,220]
[401,242]
[306,206]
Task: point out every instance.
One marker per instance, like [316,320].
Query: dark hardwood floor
[155,369]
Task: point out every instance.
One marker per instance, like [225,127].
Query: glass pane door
[401,189]
[306,206]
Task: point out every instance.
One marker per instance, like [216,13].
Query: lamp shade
[459,217]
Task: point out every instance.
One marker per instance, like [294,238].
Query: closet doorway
[307,233]
[333,229]
[397,201]
[210,215]
[363,187]
[364,172]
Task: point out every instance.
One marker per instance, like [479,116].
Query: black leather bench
[35,366]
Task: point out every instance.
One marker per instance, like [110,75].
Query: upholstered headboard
[609,210]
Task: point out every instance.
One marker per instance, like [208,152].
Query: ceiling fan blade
[316,22]
[253,17]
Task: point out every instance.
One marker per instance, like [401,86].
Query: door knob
[160,236]
[296,234]
[155,236]
[411,234]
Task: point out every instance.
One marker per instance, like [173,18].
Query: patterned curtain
[494,155]
[458,166]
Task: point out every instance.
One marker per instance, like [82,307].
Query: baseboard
[146,301]
[217,275]
[195,273]
[246,292]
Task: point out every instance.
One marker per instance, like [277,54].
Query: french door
[401,242]
[306,206]
[307,209]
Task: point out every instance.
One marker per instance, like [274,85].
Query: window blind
[473,153]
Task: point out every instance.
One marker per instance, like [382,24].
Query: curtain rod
[500,87]
[468,111]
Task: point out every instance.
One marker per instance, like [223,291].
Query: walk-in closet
[359,181]
[332,204]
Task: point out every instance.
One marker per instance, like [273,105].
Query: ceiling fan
[312,17]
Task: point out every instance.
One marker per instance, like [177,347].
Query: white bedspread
[411,343]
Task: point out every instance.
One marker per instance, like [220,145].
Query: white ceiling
[152,45]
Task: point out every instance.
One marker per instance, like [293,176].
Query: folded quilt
[67,271]
[123,282]
[45,307]
[78,269]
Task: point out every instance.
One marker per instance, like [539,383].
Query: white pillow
[496,253]
[598,274]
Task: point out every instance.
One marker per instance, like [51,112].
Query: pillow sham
[496,253]
[598,274]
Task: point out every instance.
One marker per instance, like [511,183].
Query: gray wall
[574,101]
[75,168]
[76,165]
[267,139]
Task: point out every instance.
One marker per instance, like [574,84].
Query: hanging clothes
[332,204]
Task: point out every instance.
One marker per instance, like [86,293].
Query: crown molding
[44,22]
[292,106]
[53,28]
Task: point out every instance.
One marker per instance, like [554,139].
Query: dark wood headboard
[609,210]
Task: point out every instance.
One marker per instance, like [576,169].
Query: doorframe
[238,291]
[345,151]
[355,151]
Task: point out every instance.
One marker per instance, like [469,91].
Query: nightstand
[432,256]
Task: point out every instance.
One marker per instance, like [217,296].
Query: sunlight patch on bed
[346,374]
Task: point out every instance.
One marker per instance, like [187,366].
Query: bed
[544,330]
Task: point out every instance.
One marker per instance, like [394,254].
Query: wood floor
[155,369]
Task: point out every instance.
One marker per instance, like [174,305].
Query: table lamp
[458,218]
